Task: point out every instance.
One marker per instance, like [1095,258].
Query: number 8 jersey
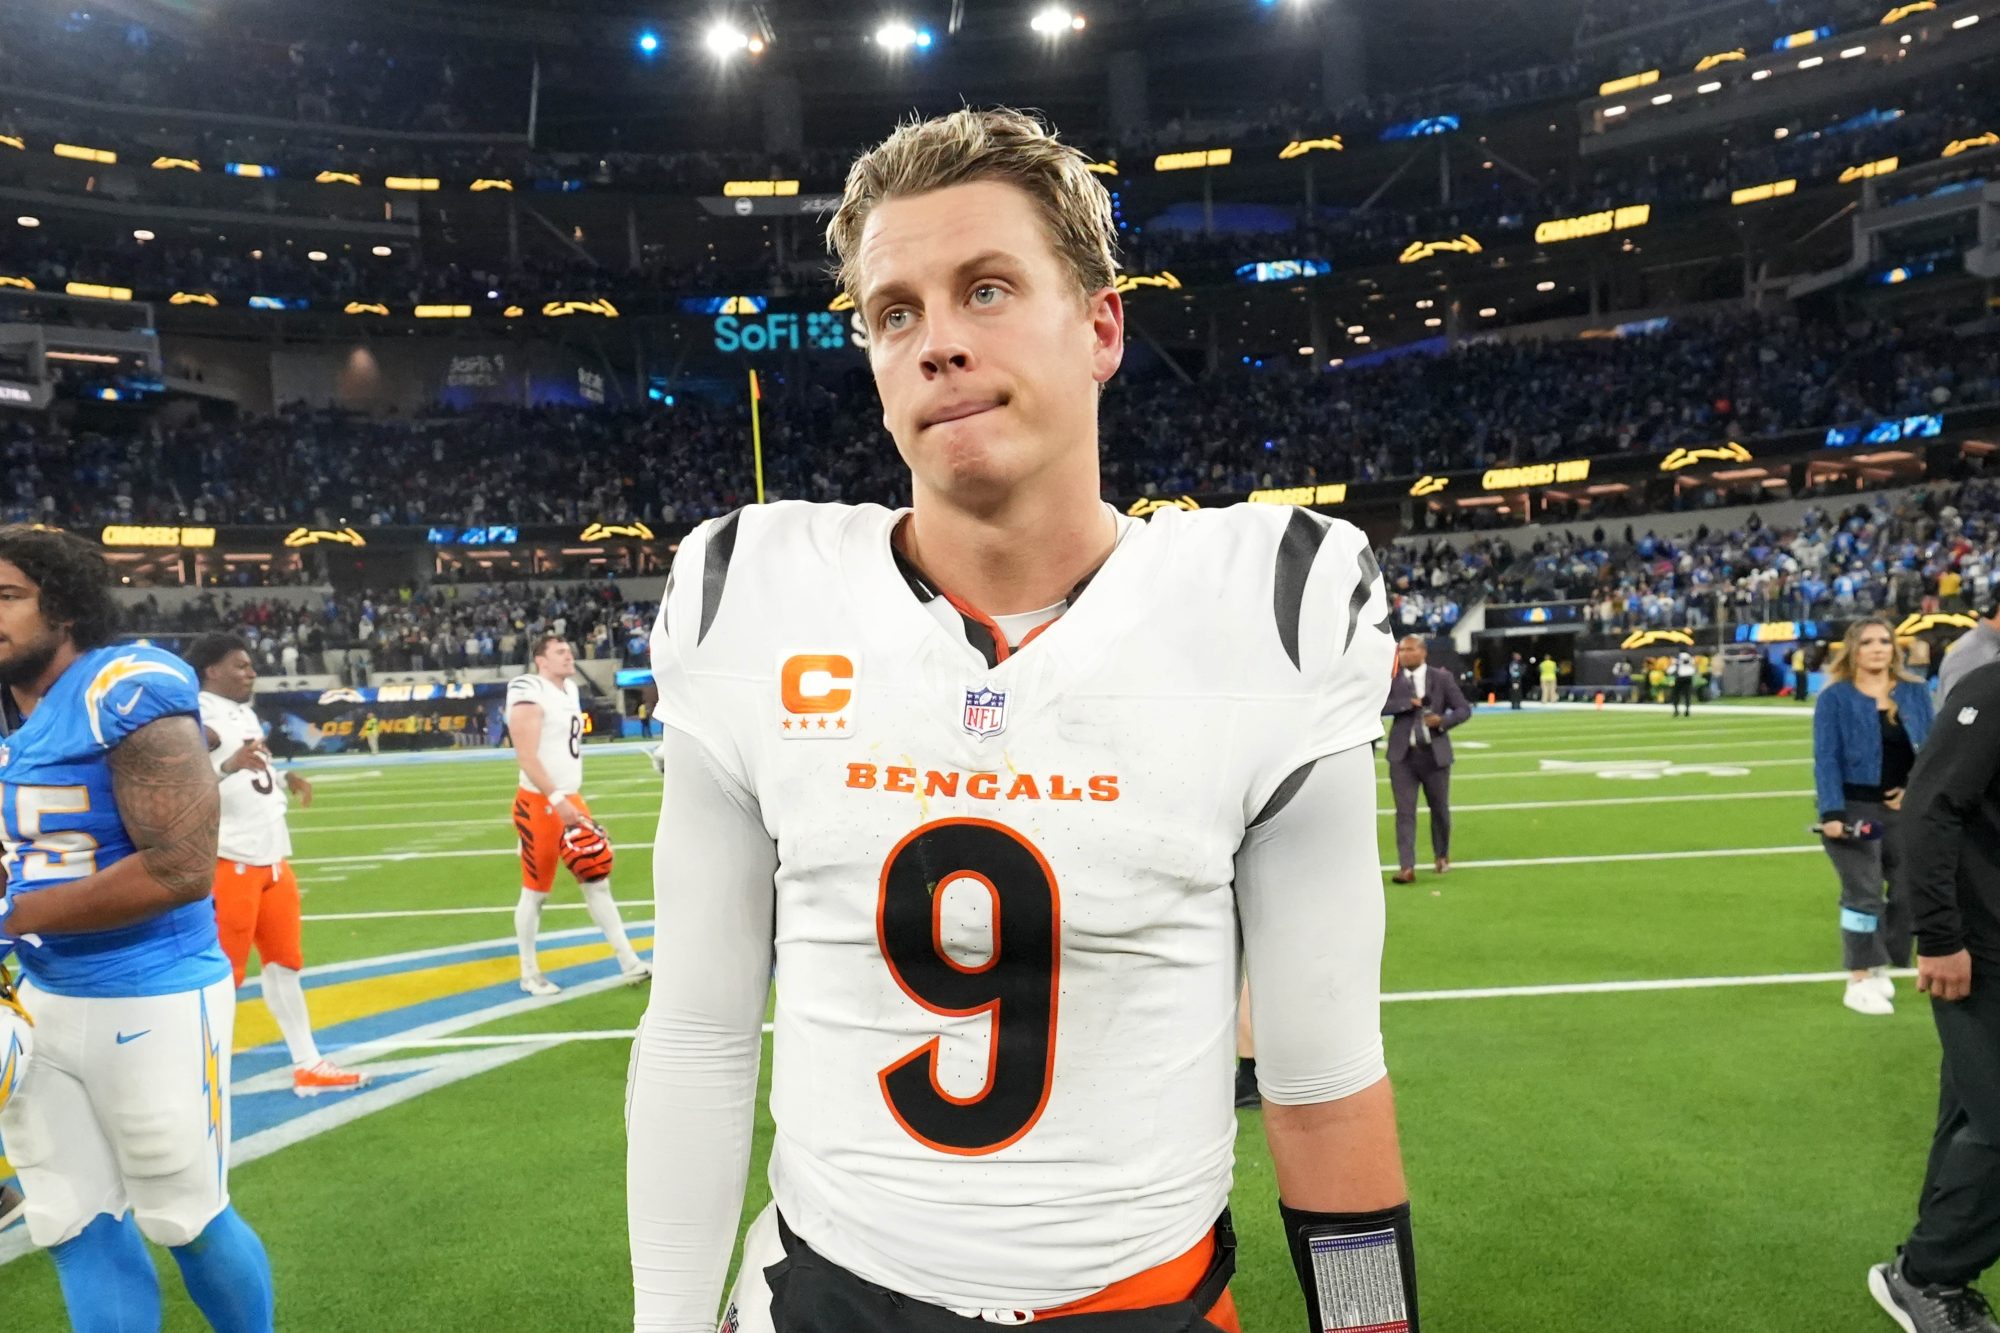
[1005,923]
[561,745]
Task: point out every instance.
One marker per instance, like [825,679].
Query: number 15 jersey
[1005,927]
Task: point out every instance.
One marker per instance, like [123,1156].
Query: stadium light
[1710,87]
[1545,286]
[1054,21]
[1488,312]
[724,40]
[382,252]
[26,221]
[317,256]
[142,235]
[898,36]
[649,43]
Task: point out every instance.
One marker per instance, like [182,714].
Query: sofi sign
[814,331]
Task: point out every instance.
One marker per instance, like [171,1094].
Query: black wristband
[1358,1270]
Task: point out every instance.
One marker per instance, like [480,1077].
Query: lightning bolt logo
[113,674]
[211,1086]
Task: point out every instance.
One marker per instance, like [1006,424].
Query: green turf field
[1711,1155]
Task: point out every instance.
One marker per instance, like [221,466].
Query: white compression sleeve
[603,911]
[527,925]
[1309,891]
[285,997]
[693,1088]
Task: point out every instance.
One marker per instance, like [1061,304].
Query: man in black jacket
[1951,865]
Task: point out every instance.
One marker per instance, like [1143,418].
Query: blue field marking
[311,763]
[363,969]
[394,1023]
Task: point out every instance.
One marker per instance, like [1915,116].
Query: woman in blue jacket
[1867,727]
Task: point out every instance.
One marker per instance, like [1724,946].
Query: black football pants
[811,1295]
[1957,1236]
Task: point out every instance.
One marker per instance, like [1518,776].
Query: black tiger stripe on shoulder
[667,597]
[1296,549]
[1366,571]
[715,569]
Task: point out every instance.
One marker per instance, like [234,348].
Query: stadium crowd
[445,627]
[1479,404]
[1933,549]
[1936,548]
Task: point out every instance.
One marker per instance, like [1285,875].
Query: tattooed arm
[168,801]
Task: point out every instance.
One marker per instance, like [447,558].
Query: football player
[256,894]
[995,781]
[545,720]
[108,811]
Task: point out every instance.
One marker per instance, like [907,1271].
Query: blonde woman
[1867,727]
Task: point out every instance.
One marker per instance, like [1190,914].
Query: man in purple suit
[1425,705]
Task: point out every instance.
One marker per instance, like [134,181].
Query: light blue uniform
[59,821]
[127,1104]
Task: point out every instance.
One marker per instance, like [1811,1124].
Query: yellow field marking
[345,1001]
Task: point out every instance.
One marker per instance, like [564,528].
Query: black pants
[1957,1236]
[811,1295]
[1684,694]
[1513,694]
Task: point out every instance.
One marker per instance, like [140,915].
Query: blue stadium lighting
[1283,270]
[924,39]
[1420,129]
[649,43]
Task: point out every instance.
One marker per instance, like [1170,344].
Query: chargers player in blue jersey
[108,812]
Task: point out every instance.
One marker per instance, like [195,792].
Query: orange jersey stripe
[1162,1284]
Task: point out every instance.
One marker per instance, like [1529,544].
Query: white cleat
[536,984]
[1865,997]
[638,973]
[1884,986]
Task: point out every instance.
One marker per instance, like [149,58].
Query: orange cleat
[325,1076]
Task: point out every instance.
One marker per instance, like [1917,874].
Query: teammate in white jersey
[995,781]
[256,894]
[551,819]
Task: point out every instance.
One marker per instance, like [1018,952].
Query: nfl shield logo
[985,712]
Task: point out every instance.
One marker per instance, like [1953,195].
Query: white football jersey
[254,801]
[561,747]
[1006,937]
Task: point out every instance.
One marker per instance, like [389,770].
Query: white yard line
[1803,761]
[508,909]
[1456,865]
[1628,800]
[1549,752]
[547,1039]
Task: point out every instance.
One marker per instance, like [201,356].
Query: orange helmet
[587,852]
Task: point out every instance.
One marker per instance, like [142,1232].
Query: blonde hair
[1842,666]
[1000,144]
